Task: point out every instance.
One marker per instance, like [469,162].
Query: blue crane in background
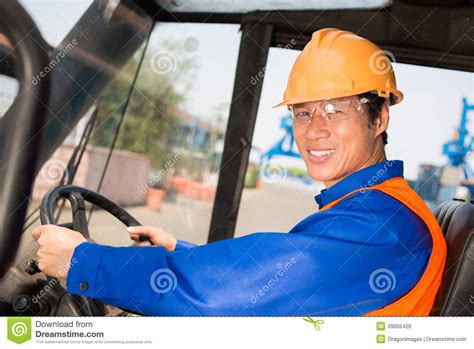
[284,147]
[463,143]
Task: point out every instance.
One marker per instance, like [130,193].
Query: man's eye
[301,115]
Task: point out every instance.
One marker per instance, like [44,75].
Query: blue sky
[418,126]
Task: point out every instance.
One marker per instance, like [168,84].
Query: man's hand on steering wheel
[56,245]
[156,237]
[55,248]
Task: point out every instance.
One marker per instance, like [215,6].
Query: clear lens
[331,110]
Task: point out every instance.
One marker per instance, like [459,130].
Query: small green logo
[380,338]
[380,326]
[19,329]
[316,323]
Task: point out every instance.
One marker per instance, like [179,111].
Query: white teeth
[322,152]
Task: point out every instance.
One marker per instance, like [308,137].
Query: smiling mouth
[321,153]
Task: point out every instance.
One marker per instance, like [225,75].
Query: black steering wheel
[77,196]
[24,294]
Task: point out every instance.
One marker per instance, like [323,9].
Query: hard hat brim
[397,97]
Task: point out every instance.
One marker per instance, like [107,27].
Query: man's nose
[318,127]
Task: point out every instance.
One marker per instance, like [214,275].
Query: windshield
[95,47]
[153,146]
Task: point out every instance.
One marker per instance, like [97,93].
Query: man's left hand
[55,248]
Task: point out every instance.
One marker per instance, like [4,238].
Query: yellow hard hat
[337,63]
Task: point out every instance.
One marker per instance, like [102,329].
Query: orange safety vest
[419,300]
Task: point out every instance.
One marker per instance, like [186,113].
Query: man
[373,248]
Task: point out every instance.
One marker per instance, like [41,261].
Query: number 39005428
[404,326]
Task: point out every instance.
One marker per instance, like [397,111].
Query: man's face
[334,149]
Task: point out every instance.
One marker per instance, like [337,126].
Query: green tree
[151,121]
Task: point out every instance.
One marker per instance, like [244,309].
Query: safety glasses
[332,110]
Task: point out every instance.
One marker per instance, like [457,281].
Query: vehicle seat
[456,294]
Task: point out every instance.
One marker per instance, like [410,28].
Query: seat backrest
[456,294]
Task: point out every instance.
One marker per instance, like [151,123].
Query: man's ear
[381,123]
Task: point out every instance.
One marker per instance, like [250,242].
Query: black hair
[374,107]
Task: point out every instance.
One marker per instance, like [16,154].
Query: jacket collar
[365,178]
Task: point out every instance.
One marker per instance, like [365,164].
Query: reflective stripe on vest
[419,300]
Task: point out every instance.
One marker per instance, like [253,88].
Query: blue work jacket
[361,254]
